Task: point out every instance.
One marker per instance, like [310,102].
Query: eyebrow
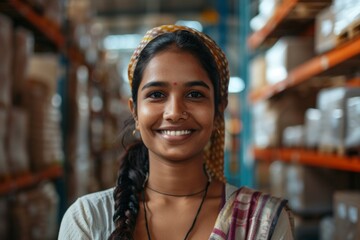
[197,83]
[154,84]
[164,84]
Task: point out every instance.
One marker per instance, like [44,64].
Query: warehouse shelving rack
[335,59]
[51,38]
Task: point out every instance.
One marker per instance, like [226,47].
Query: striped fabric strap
[248,214]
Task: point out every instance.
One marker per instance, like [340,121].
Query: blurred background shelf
[309,157]
[341,59]
[288,14]
[48,34]
[12,184]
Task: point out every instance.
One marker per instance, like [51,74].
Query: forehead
[174,66]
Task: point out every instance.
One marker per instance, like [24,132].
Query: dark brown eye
[195,94]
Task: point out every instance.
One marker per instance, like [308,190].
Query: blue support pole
[247,164]
[222,7]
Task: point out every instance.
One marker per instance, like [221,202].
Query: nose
[175,110]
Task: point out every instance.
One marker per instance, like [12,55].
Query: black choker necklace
[176,195]
[196,216]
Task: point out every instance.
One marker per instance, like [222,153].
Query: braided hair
[135,162]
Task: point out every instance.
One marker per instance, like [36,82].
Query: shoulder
[272,212]
[95,209]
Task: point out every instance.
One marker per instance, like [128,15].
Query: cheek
[146,113]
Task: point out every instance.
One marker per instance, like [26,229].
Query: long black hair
[135,163]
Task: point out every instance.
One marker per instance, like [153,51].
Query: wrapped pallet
[312,127]
[6,48]
[347,218]
[285,55]
[24,42]
[18,156]
[332,104]
[4,167]
[304,183]
[352,140]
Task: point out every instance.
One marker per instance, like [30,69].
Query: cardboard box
[311,189]
[352,140]
[6,47]
[312,127]
[347,215]
[332,104]
[285,55]
[325,37]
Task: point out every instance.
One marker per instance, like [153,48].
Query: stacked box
[325,37]
[45,142]
[327,228]
[352,140]
[4,219]
[279,114]
[34,213]
[17,141]
[332,104]
[258,72]
[54,11]
[81,172]
[312,127]
[293,136]
[24,42]
[5,60]
[277,179]
[4,168]
[310,189]
[286,54]
[266,9]
[347,217]
[347,19]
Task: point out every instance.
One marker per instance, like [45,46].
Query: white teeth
[176,133]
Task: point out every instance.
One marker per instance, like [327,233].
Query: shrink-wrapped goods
[347,19]
[4,167]
[352,140]
[347,215]
[327,228]
[6,48]
[325,36]
[34,213]
[17,141]
[303,185]
[277,178]
[285,55]
[45,141]
[258,72]
[53,10]
[332,104]
[4,228]
[293,136]
[272,117]
[312,127]
[24,42]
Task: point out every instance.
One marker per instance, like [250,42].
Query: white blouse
[90,217]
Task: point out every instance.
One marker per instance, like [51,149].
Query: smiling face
[175,106]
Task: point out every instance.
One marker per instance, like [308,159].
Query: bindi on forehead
[174,83]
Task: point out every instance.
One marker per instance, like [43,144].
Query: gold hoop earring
[134,132]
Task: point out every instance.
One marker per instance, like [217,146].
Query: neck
[177,179]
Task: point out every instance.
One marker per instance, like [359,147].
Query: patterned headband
[214,152]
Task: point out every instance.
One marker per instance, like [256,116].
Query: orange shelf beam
[46,26]
[310,69]
[308,157]
[26,180]
[281,12]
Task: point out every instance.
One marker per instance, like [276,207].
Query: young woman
[171,183]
